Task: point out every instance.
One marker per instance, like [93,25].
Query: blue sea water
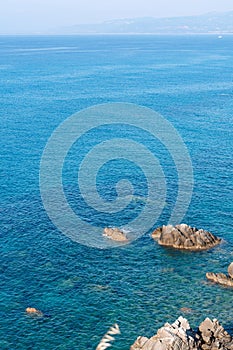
[83,290]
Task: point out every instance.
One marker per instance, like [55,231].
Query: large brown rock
[115,234]
[213,336]
[221,278]
[185,237]
[172,336]
[179,336]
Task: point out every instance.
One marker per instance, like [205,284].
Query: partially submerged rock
[185,237]
[179,336]
[221,278]
[115,234]
[34,312]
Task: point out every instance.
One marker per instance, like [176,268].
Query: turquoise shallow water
[84,290]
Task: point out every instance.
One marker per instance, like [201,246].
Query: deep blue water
[83,290]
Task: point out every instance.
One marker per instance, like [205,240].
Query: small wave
[44,49]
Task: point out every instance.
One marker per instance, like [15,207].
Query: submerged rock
[221,278]
[115,234]
[186,310]
[185,237]
[179,336]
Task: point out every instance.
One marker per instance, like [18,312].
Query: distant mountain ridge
[213,22]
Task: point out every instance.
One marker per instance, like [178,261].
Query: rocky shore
[221,278]
[210,335]
[185,237]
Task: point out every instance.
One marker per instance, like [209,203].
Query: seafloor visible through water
[83,290]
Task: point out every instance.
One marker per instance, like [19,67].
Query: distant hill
[213,22]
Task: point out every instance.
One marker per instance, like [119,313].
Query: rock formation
[213,336]
[185,237]
[221,278]
[115,234]
[175,336]
[179,336]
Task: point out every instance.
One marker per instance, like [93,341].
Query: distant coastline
[116,34]
[210,23]
[213,23]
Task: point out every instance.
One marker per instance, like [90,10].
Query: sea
[83,289]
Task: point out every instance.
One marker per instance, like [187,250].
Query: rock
[213,335]
[33,312]
[172,337]
[185,237]
[221,278]
[179,336]
[139,343]
[230,270]
[157,233]
[115,234]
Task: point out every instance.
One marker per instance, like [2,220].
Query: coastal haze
[116,16]
[210,23]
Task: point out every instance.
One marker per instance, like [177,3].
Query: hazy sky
[17,16]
